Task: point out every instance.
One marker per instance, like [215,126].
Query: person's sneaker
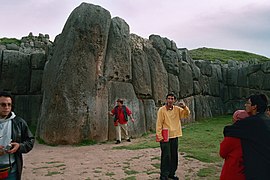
[128,140]
[118,142]
[174,177]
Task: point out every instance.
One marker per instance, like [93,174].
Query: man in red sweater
[121,113]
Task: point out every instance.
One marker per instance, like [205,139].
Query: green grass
[86,142]
[10,41]
[147,143]
[224,55]
[201,139]
[130,172]
[110,174]
[130,178]
[53,173]
[208,172]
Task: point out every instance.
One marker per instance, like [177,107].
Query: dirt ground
[100,161]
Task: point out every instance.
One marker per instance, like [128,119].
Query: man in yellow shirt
[168,117]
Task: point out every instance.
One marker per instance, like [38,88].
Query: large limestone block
[171,62]
[38,60]
[185,80]
[141,77]
[126,92]
[242,80]
[266,83]
[158,44]
[232,76]
[118,57]
[28,107]
[15,72]
[173,84]
[265,67]
[159,75]
[205,67]
[74,104]
[36,81]
[255,80]
[207,106]
[150,114]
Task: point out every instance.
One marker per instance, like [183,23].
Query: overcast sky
[223,24]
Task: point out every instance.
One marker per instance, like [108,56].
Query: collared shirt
[171,119]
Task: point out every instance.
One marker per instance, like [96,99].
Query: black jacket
[254,133]
[22,135]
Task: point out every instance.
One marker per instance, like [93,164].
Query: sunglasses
[5,104]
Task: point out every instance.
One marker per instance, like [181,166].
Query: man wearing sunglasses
[15,139]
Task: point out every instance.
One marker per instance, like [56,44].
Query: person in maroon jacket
[254,133]
[231,152]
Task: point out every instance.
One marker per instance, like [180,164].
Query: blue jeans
[12,175]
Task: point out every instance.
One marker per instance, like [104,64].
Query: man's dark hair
[5,94]
[120,100]
[260,100]
[171,94]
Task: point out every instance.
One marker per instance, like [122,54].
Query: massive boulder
[140,68]
[75,98]
[118,56]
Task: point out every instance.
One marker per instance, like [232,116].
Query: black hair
[120,100]
[171,94]
[5,94]
[260,100]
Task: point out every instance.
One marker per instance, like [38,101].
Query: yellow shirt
[171,119]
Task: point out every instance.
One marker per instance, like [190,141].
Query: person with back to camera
[254,133]
[169,118]
[231,152]
[121,113]
[15,139]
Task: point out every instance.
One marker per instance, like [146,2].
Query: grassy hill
[224,55]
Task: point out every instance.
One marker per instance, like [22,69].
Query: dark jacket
[254,133]
[124,109]
[22,135]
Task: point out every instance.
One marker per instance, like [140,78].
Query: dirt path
[99,162]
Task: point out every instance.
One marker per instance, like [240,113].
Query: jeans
[169,157]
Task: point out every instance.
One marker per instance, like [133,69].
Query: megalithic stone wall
[21,71]
[66,88]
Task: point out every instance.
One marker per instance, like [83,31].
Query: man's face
[5,106]
[268,112]
[170,100]
[249,108]
[119,103]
